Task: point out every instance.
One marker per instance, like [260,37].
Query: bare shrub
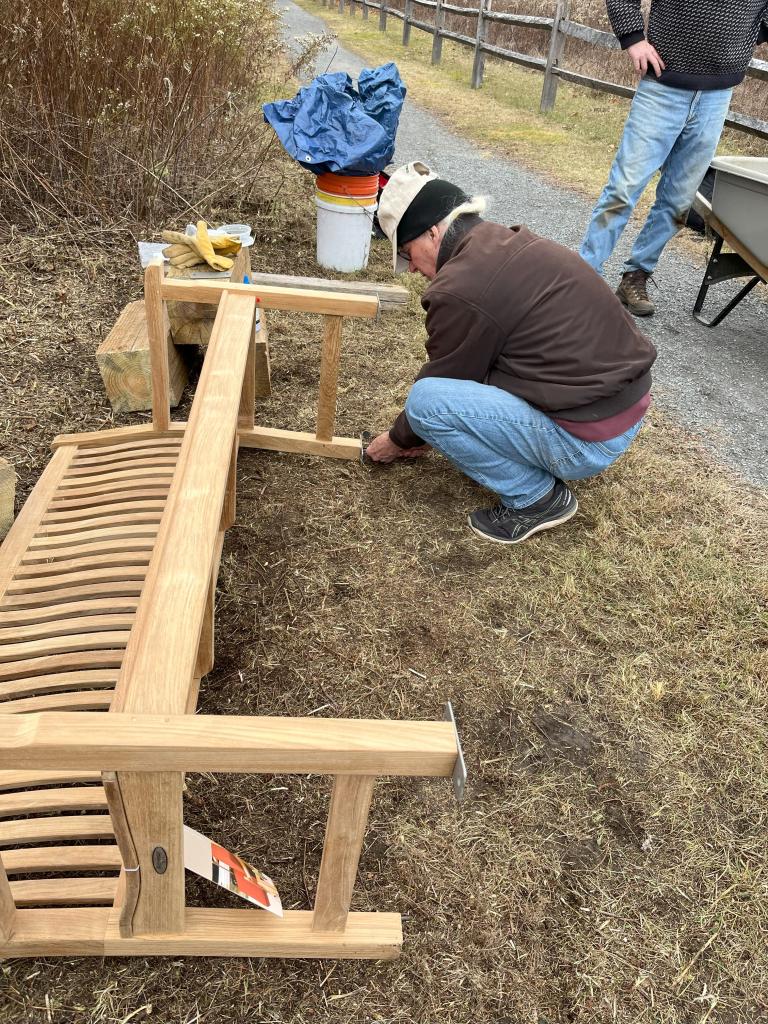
[132,107]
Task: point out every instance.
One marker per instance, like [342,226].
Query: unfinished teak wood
[107,585]
[262,368]
[158,349]
[299,442]
[93,932]
[124,361]
[7,496]
[299,300]
[7,906]
[390,296]
[329,375]
[347,819]
[191,323]
[177,742]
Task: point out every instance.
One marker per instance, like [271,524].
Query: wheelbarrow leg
[731,305]
[723,268]
[708,277]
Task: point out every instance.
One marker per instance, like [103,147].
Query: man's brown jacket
[521,313]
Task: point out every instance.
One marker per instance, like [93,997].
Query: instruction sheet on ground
[209,860]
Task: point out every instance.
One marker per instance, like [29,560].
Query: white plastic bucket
[344,235]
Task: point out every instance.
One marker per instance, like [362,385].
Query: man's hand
[384,449]
[643,55]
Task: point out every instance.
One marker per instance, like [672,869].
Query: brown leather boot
[633,293]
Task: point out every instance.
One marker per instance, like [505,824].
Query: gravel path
[713,380]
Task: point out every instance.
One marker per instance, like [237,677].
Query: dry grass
[609,680]
[609,65]
[124,112]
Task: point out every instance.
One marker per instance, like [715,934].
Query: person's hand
[414,453]
[384,449]
[643,55]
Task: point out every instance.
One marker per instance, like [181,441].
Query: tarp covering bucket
[345,208]
[330,126]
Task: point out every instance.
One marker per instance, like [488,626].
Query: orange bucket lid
[348,185]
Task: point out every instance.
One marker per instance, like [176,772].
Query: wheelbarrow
[738,217]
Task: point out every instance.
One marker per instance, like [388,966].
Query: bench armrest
[218,743]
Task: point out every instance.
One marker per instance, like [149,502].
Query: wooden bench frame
[150,737]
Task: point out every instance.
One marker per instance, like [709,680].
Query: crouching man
[536,374]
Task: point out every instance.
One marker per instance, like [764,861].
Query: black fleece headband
[428,207]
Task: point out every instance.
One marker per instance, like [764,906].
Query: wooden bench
[107,585]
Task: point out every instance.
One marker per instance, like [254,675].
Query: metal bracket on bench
[723,267]
[460,769]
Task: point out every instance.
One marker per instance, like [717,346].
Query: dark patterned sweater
[705,44]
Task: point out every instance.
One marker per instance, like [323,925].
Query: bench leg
[329,375]
[204,662]
[152,802]
[7,906]
[347,818]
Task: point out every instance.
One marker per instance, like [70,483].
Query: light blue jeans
[502,442]
[676,130]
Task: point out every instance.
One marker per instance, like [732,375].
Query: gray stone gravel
[714,381]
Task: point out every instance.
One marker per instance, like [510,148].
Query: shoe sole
[634,311]
[536,529]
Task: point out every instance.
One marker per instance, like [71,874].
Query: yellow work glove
[205,249]
[182,256]
[192,250]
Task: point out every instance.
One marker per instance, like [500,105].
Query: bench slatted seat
[58,655]
[107,587]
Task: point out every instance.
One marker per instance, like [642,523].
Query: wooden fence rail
[559,28]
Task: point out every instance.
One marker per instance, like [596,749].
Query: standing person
[695,52]
[536,375]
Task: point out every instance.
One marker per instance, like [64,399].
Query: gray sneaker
[506,525]
[633,293]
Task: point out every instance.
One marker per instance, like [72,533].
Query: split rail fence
[559,28]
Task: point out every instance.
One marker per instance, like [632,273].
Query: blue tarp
[330,126]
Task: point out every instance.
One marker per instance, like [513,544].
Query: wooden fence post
[407,22]
[351,8]
[344,835]
[437,38]
[365,10]
[556,46]
[383,16]
[478,65]
[341,6]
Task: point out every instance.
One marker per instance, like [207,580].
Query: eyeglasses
[403,255]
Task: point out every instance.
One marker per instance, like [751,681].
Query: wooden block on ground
[124,361]
[192,322]
[7,495]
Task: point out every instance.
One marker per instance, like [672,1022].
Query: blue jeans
[676,130]
[501,441]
